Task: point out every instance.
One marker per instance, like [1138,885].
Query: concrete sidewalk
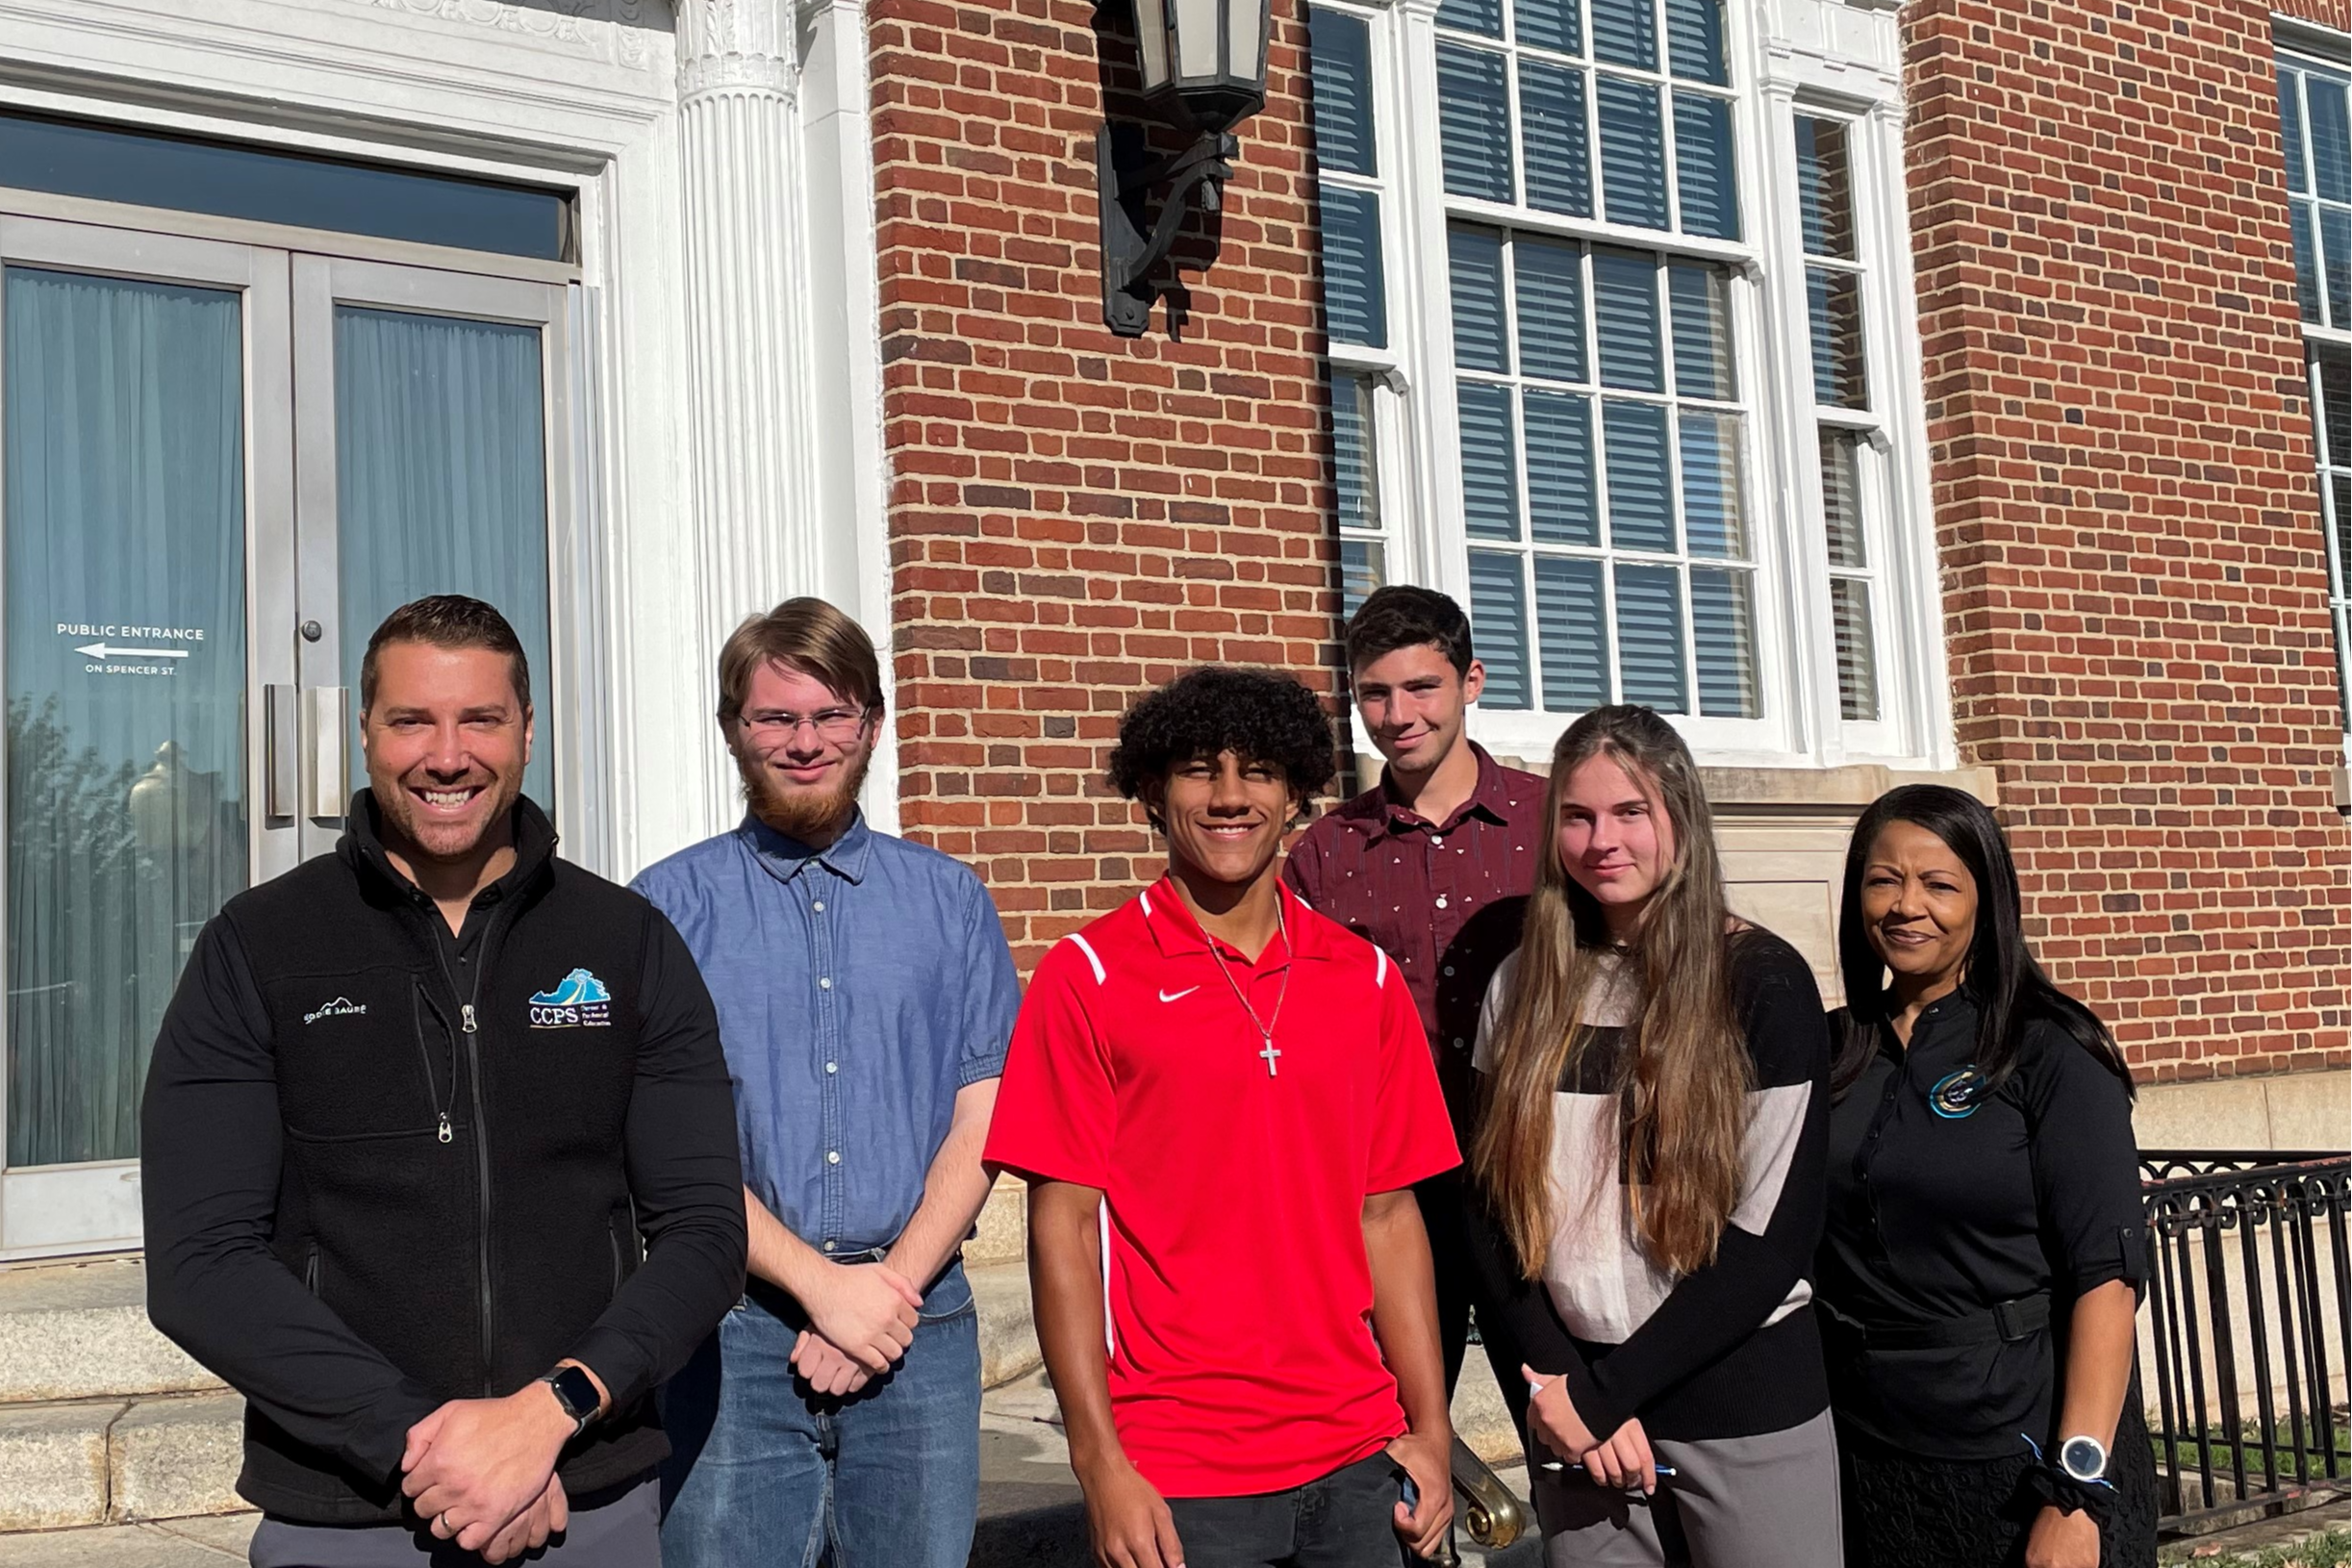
[1030,1513]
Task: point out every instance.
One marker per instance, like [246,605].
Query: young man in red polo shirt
[1434,864]
[1221,1101]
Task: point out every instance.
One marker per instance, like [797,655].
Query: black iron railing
[2249,1314]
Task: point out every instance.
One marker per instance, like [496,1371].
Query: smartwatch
[2085,1458]
[576,1392]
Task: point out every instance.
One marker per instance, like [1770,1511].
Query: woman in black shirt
[1978,1278]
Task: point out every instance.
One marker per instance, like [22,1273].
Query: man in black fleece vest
[440,1160]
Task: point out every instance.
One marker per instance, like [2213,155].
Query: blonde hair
[1683,1083]
[808,635]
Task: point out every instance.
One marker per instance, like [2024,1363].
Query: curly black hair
[1258,714]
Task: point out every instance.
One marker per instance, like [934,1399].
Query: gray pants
[622,1532]
[1766,1502]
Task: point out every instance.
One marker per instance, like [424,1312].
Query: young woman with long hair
[1656,1081]
[1978,1278]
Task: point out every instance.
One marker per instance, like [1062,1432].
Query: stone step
[118,1461]
[174,1543]
[80,1331]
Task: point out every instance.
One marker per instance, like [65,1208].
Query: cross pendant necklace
[1266,1027]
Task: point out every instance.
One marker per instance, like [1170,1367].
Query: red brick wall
[2134,589]
[1076,516]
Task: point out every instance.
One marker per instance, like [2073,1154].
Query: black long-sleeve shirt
[1729,1349]
[358,1208]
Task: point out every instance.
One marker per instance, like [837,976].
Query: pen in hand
[1535,1386]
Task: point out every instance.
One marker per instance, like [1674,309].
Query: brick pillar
[2127,514]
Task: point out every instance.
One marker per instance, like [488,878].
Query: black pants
[1445,1215]
[1345,1520]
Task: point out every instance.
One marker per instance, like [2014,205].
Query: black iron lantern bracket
[1125,176]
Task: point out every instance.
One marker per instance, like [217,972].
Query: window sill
[1804,791]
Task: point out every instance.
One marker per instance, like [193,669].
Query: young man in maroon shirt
[1433,865]
[1221,1101]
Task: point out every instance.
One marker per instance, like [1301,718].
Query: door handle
[326,768]
[281,750]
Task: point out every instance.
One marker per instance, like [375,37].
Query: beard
[806,816]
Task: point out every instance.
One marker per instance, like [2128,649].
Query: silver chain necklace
[1265,1030]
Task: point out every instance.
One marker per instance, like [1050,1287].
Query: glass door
[220,466]
[146,532]
[430,429]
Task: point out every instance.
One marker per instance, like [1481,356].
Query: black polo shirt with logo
[1963,1223]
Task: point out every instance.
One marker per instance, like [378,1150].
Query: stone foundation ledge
[119,1462]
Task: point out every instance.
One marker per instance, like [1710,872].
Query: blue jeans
[764,1471]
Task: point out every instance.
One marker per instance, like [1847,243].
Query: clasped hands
[482,1472]
[1621,1462]
[861,1319]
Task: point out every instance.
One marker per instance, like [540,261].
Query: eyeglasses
[836,725]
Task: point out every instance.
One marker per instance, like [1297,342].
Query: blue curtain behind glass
[441,483]
[124,518]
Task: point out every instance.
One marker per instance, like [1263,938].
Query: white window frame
[1419,459]
[1898,521]
[1394,446]
[2307,45]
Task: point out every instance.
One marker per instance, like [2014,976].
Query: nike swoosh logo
[1179,996]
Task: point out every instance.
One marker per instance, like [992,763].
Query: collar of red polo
[1177,934]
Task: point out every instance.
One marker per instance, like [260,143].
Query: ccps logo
[578,1001]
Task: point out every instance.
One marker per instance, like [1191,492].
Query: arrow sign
[99,650]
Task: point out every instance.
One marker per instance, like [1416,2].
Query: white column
[753,520]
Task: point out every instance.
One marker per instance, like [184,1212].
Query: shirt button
[832,1156]
[832,1066]
[828,1246]
[1457,1042]
[1449,968]
[824,983]
[820,907]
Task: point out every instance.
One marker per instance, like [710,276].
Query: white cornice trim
[2305,37]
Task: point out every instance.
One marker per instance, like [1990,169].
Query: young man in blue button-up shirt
[866,996]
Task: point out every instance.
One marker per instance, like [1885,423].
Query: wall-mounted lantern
[1203,71]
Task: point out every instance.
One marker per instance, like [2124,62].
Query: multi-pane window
[1349,187]
[1363,548]
[1348,176]
[1599,401]
[1619,109]
[2312,120]
[2315,122]
[1566,400]
[1602,442]
[1847,427]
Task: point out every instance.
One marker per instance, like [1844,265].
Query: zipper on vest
[418,1001]
[481,1125]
